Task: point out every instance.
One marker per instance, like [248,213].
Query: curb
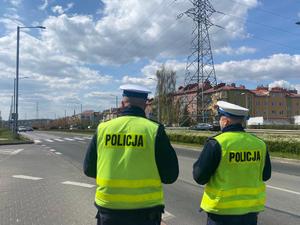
[18,143]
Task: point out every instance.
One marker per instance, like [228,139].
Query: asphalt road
[182,197]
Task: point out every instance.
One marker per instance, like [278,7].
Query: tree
[166,86]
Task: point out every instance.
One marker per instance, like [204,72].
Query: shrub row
[276,145]
[277,127]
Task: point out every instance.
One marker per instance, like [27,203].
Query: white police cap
[133,90]
[232,110]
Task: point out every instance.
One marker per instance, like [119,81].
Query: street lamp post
[116,99]
[17,75]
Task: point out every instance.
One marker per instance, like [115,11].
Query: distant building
[276,106]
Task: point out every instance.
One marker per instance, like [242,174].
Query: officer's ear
[122,104]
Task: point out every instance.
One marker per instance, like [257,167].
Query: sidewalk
[38,187]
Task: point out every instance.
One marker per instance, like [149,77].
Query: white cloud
[283,84]
[132,30]
[58,9]
[44,6]
[16,3]
[239,51]
[274,67]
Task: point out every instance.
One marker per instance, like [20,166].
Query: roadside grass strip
[78,184]
[27,177]
[283,189]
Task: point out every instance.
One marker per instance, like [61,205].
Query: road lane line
[89,138]
[78,184]
[78,138]
[283,189]
[58,153]
[167,216]
[37,141]
[17,151]
[81,142]
[27,177]
[49,140]
[57,139]
[69,139]
[52,150]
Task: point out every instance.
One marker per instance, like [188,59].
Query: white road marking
[17,151]
[52,150]
[49,140]
[88,138]
[58,153]
[78,138]
[57,139]
[8,151]
[283,189]
[27,177]
[44,145]
[81,142]
[37,141]
[167,216]
[69,139]
[78,184]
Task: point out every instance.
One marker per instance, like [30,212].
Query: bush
[274,145]
[273,126]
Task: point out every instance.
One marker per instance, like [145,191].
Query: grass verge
[7,137]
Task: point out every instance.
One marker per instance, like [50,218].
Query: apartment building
[276,105]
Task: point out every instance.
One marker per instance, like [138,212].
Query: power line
[261,24]
[264,10]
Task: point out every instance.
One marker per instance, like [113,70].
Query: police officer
[130,157]
[233,166]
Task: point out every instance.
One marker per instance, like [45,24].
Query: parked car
[24,129]
[201,126]
[216,126]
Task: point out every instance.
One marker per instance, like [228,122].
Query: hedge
[276,127]
[276,145]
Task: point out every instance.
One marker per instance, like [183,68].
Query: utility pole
[200,69]
[37,110]
[10,118]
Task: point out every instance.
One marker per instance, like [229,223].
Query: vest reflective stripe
[236,191]
[129,183]
[237,204]
[127,175]
[156,196]
[236,187]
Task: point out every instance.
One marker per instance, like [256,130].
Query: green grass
[7,137]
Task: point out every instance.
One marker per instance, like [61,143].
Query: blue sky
[92,47]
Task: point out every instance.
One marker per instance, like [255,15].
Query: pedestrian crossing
[62,139]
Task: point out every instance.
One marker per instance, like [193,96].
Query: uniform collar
[233,127]
[133,111]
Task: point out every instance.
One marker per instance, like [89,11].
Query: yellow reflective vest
[127,175]
[237,188]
